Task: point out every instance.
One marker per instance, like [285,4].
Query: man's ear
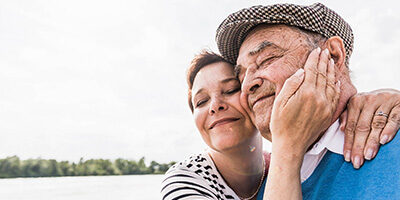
[337,50]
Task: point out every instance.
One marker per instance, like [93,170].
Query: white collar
[333,140]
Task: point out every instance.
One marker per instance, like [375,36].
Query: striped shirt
[198,178]
[195,178]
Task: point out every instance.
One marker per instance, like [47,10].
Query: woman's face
[221,120]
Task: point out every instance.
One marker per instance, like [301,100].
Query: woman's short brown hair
[204,58]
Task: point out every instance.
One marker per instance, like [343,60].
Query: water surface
[130,187]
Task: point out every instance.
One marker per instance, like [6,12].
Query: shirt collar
[333,140]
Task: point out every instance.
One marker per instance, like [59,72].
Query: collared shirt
[332,140]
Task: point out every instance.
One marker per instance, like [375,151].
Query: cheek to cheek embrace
[305,106]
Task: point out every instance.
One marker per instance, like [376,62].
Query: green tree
[122,165]
[142,166]
[66,168]
[154,167]
[10,167]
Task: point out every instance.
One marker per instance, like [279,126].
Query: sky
[106,79]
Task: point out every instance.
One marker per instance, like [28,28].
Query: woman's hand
[304,109]
[371,119]
[301,112]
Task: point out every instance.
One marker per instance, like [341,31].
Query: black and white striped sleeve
[183,184]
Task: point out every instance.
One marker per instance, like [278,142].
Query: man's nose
[217,105]
[250,84]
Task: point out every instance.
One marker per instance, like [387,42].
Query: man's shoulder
[377,178]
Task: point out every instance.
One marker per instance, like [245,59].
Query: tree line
[12,167]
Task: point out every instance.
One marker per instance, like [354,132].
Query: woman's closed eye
[201,102]
[232,91]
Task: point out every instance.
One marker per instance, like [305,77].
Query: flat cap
[316,18]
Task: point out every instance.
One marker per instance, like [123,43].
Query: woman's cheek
[234,100]
[200,119]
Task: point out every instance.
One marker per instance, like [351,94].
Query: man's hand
[304,108]
[371,119]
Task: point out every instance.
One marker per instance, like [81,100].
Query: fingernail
[369,154]
[347,156]
[318,50]
[332,62]
[342,127]
[384,139]
[357,162]
[299,72]
[326,52]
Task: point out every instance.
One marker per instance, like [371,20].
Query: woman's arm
[302,111]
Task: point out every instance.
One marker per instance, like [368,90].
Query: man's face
[268,56]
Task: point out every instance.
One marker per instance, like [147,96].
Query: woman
[234,167]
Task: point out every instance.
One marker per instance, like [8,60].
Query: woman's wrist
[287,153]
[288,146]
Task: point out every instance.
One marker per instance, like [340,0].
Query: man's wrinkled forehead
[257,49]
[275,33]
[268,37]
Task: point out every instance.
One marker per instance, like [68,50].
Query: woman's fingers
[300,101]
[378,123]
[392,126]
[326,80]
[311,69]
[290,87]
[321,70]
[336,97]
[332,89]
[353,112]
[342,121]
[362,133]
[348,145]
[372,118]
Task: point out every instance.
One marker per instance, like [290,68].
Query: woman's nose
[217,106]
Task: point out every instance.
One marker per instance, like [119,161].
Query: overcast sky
[106,79]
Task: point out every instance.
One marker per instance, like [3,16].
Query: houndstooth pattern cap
[317,18]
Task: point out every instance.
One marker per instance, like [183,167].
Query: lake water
[130,187]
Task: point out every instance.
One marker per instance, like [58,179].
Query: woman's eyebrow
[222,81]
[229,79]
[198,91]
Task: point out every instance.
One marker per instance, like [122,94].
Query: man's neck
[347,90]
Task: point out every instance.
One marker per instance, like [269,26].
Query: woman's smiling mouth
[223,121]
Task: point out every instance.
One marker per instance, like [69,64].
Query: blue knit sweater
[335,179]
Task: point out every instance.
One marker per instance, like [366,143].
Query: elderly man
[269,44]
